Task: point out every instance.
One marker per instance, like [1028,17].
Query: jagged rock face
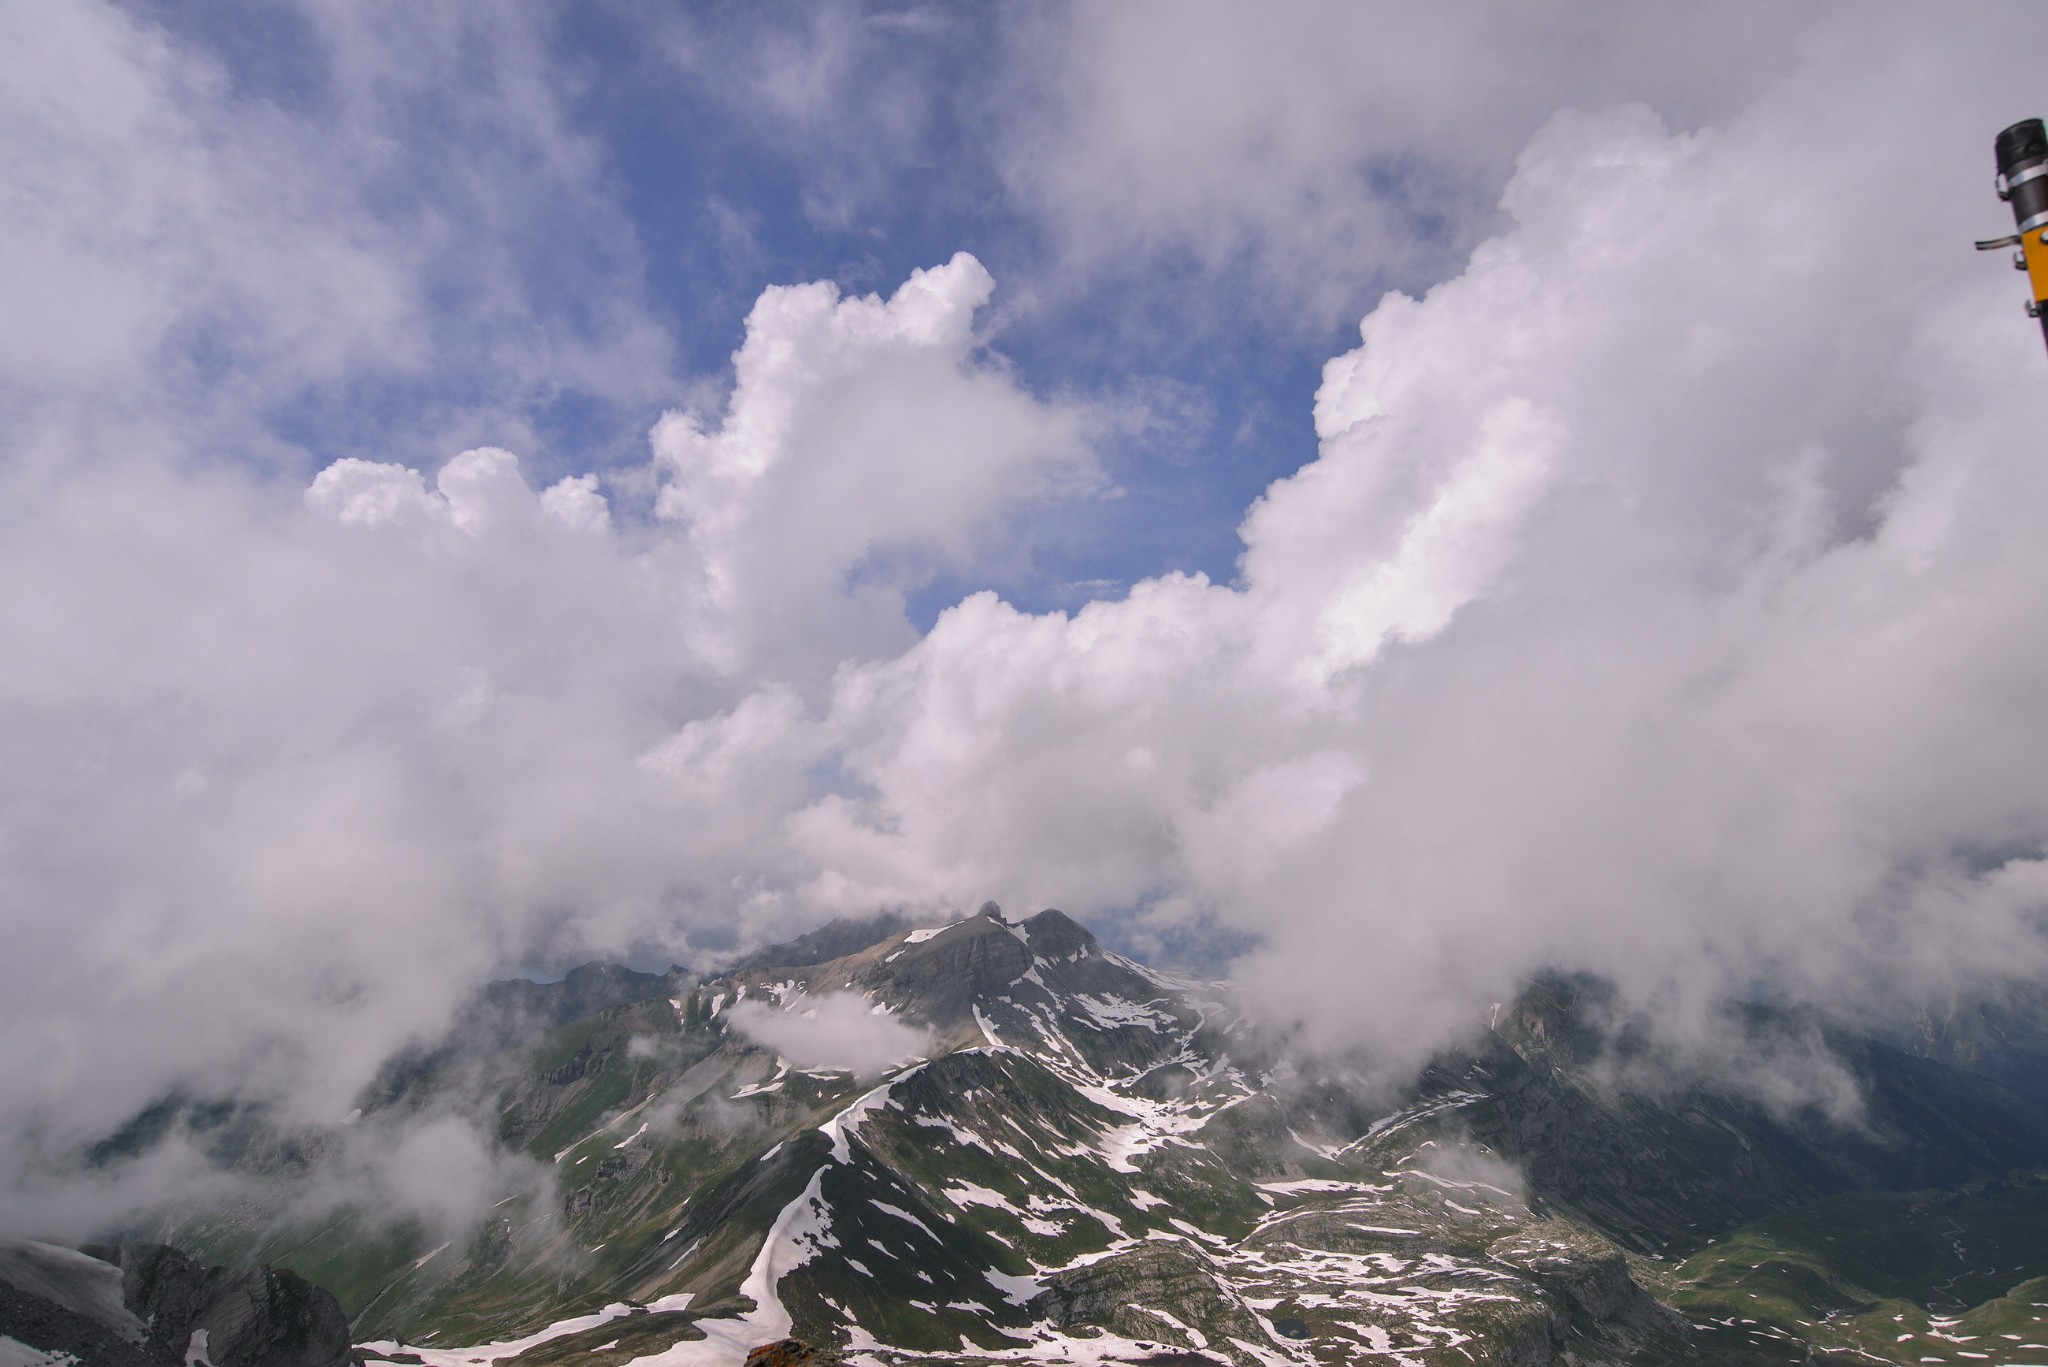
[62,1301]
[939,981]
[137,1304]
[1153,1292]
[258,1317]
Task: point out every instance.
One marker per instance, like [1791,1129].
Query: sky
[1382,500]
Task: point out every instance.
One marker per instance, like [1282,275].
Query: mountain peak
[1052,934]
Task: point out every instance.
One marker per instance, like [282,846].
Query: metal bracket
[1993,244]
[2004,185]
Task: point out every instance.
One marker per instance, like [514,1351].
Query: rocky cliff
[148,1305]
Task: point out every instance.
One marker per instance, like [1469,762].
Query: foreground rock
[791,1353]
[148,1305]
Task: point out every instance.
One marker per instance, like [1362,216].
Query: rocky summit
[1088,1160]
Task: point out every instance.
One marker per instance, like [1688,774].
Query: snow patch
[964,1193]
[960,1136]
[1016,1290]
[15,1353]
[901,1214]
[1322,1184]
[426,1257]
[988,1032]
[495,1352]
[839,1129]
[803,1227]
[1112,1013]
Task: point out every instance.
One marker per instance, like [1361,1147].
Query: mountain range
[1078,1158]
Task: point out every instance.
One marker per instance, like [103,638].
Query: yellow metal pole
[2022,152]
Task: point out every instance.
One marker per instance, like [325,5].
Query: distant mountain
[833,940]
[1094,1160]
[519,1004]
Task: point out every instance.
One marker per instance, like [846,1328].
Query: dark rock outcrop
[580,993]
[791,1353]
[148,1305]
[257,1317]
[60,1301]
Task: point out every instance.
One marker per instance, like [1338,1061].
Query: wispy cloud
[836,1031]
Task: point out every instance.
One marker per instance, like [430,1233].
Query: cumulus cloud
[866,446]
[1661,600]
[288,772]
[838,1031]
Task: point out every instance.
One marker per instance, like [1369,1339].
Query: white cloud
[285,775]
[575,502]
[1663,599]
[1663,602]
[865,446]
[836,1031]
[1322,148]
[372,494]
[188,255]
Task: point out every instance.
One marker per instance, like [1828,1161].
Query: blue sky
[725,148]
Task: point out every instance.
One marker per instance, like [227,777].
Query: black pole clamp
[2022,182]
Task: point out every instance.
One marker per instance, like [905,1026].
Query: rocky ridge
[1097,1161]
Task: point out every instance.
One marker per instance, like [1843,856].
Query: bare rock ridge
[834,940]
[148,1305]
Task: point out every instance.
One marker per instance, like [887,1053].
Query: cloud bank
[1662,599]
[289,773]
[1662,603]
